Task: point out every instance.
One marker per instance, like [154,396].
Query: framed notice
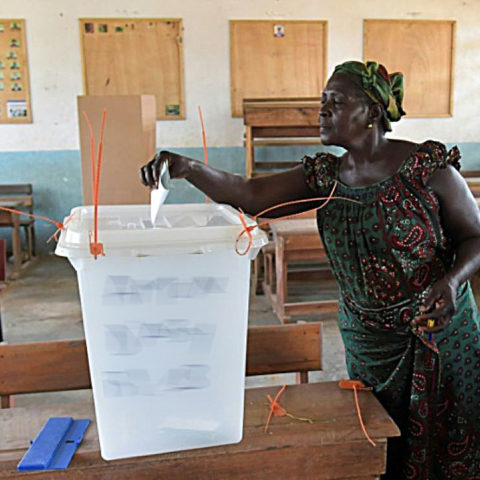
[424,51]
[135,56]
[14,82]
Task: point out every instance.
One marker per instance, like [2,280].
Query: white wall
[56,73]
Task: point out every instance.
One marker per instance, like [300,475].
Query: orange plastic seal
[96,247]
[352,384]
[356,385]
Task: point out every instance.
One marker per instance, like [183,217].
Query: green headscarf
[382,87]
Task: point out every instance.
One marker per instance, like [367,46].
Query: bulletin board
[14,83]
[276,59]
[126,56]
[424,51]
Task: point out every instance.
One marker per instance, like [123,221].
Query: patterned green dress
[385,253]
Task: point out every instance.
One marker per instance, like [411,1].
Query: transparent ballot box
[165,317]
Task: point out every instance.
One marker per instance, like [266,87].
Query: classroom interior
[160,69]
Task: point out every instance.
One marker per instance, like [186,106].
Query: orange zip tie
[278,411]
[248,229]
[92,149]
[59,225]
[356,385]
[204,142]
[275,408]
[40,217]
[96,247]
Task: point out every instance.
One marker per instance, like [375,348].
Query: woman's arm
[460,218]
[251,195]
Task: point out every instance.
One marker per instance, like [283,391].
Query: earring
[370,125]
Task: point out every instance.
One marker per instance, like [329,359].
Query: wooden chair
[22,193]
[63,365]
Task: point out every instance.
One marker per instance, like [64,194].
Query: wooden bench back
[21,192]
[63,365]
[16,189]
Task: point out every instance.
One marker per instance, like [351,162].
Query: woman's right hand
[178,167]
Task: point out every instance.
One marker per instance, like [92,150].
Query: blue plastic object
[55,444]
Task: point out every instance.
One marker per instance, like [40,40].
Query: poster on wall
[17,109]
[14,85]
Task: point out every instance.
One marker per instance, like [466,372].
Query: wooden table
[16,238]
[332,448]
[295,239]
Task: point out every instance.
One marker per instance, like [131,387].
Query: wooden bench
[63,365]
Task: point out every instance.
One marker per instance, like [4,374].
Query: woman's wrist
[453,280]
[190,168]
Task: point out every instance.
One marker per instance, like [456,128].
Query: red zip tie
[248,229]
[277,410]
[40,217]
[92,153]
[96,247]
[204,137]
[57,231]
[304,200]
[356,385]
[59,225]
[204,142]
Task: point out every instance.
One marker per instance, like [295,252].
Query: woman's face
[344,114]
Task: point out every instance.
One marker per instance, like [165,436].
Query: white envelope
[158,196]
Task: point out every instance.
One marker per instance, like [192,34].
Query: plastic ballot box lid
[126,230]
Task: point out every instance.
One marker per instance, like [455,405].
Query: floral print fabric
[385,253]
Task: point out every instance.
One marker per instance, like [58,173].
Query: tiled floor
[44,305]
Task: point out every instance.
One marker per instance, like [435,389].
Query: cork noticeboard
[14,82]
[276,59]
[126,56]
[424,51]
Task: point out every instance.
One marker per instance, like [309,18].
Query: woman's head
[379,86]
[357,97]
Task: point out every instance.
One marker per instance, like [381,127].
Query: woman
[402,248]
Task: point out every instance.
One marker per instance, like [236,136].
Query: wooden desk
[16,239]
[295,239]
[332,448]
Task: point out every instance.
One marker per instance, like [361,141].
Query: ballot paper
[158,195]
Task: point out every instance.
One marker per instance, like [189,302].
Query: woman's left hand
[439,306]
